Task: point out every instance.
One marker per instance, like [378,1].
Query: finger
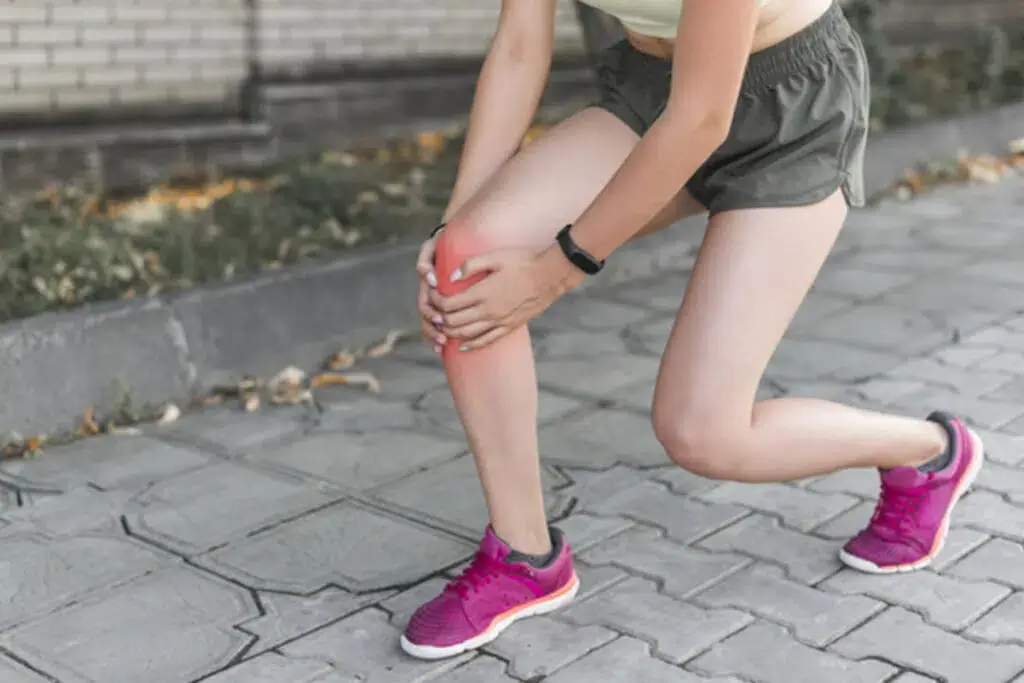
[432,334]
[484,263]
[470,331]
[425,263]
[488,338]
[467,316]
[456,302]
[427,311]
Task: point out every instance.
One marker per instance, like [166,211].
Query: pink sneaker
[911,521]
[488,597]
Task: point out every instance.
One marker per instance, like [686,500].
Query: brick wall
[299,35]
[88,55]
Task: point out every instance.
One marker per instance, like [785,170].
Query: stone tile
[944,601]
[10,672]
[1003,361]
[907,331]
[166,627]
[399,381]
[588,313]
[903,638]
[541,646]
[989,513]
[938,293]
[797,508]
[768,654]
[78,511]
[998,560]
[1004,624]
[916,259]
[106,462]
[364,648]
[975,411]
[998,337]
[599,377]
[664,293]
[913,678]
[354,461]
[874,393]
[196,511]
[805,558]
[578,344]
[809,359]
[627,660]
[41,574]
[847,525]
[859,283]
[967,356]
[593,580]
[959,542]
[274,668]
[955,379]
[590,488]
[348,545]
[678,630]
[684,482]
[1008,481]
[816,308]
[1005,449]
[404,604]
[480,670]
[600,439]
[815,617]
[439,408]
[584,530]
[450,493]
[681,571]
[290,616]
[235,431]
[683,519]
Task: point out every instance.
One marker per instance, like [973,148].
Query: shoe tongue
[494,547]
[904,477]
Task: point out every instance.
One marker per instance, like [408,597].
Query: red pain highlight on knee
[453,248]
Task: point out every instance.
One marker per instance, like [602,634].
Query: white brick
[145,54]
[91,13]
[19,101]
[112,76]
[11,14]
[164,74]
[174,34]
[23,56]
[124,11]
[49,77]
[144,95]
[83,99]
[204,92]
[110,35]
[45,34]
[61,56]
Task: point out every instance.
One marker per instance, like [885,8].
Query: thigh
[753,270]
[546,186]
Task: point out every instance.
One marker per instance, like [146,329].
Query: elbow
[709,125]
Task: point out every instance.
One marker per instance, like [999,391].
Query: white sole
[496,629]
[868,567]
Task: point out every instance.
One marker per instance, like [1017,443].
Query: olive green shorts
[799,128]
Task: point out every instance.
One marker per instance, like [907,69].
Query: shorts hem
[794,201]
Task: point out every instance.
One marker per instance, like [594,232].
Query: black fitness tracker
[576,254]
[436,231]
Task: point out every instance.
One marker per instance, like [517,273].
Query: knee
[706,447]
[459,241]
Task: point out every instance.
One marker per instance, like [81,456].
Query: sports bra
[657,18]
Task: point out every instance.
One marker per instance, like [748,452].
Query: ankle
[935,447]
[533,542]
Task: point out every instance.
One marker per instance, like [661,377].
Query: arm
[507,93]
[712,48]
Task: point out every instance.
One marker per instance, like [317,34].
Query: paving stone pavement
[291,546]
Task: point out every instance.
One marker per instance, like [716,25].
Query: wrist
[562,274]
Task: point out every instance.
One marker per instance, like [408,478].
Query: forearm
[667,156]
[507,95]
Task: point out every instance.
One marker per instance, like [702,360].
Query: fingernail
[456,275]
[463,348]
[441,339]
[431,279]
[437,349]
[436,320]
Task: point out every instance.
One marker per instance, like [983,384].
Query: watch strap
[577,256]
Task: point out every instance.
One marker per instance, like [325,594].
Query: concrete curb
[52,366]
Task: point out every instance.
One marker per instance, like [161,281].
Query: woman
[755,111]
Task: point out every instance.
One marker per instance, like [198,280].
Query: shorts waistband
[814,43]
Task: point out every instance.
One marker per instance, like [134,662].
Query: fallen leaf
[386,346]
[87,425]
[1017,146]
[251,403]
[341,360]
[365,379]
[292,398]
[123,431]
[171,413]
[288,378]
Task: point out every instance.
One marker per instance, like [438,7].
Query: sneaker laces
[480,572]
[898,507]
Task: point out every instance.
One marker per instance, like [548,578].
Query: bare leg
[539,191]
[753,270]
